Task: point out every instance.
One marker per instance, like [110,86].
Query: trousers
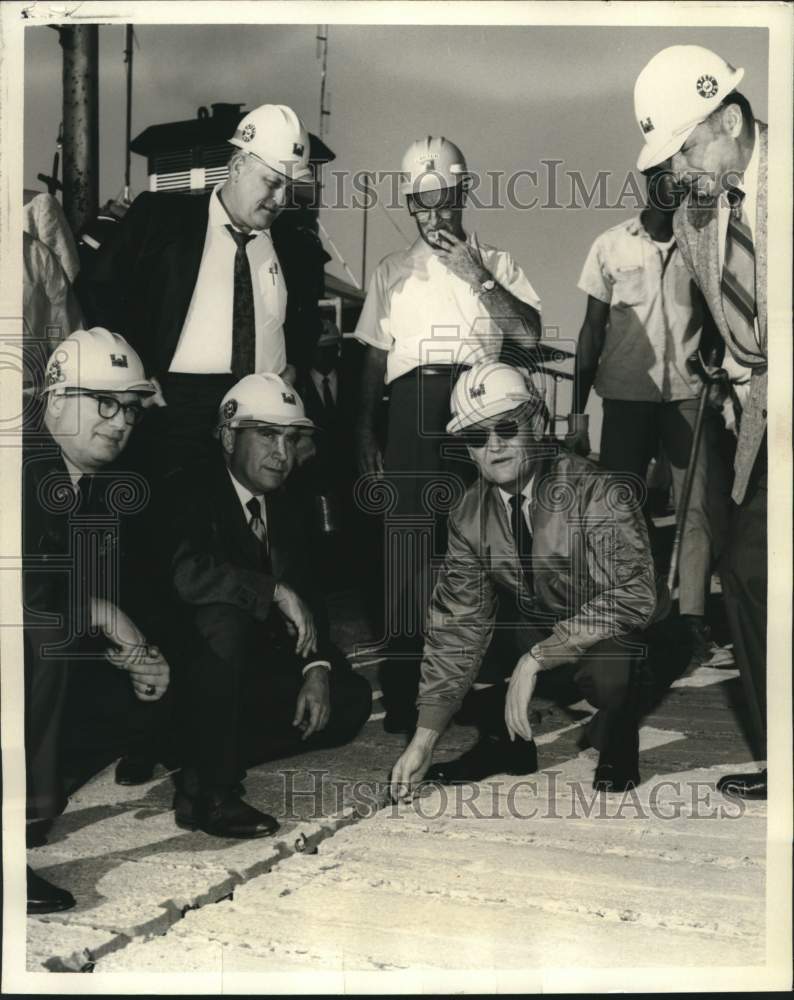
[239,691]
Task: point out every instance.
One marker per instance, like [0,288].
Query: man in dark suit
[196,285]
[688,107]
[260,679]
[86,610]
[544,539]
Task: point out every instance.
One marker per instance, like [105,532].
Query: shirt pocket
[629,287]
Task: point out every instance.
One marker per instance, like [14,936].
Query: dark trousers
[239,690]
[180,435]
[428,473]
[631,435]
[744,583]
[80,714]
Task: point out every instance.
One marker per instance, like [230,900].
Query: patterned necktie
[738,274]
[259,528]
[522,535]
[243,329]
[328,397]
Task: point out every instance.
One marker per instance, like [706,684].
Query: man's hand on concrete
[313,708]
[299,619]
[412,765]
[370,460]
[519,694]
[461,257]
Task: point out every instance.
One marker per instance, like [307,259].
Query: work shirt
[205,343]
[423,314]
[655,315]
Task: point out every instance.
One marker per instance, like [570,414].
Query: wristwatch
[487,286]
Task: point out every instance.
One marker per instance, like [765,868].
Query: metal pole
[364,234]
[128,134]
[80,43]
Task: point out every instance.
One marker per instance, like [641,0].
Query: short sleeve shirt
[423,314]
[655,315]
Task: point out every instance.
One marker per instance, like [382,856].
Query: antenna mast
[128,134]
[322,53]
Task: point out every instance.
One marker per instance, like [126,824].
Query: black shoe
[699,636]
[613,778]
[743,786]
[44,897]
[135,769]
[487,757]
[226,816]
[400,720]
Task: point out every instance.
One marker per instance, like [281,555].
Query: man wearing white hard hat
[195,283]
[544,541]
[442,304]
[260,679]
[688,108]
[85,570]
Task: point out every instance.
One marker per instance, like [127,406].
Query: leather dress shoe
[743,786]
[44,897]
[487,757]
[223,816]
[135,769]
[614,778]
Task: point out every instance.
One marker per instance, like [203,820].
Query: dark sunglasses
[477,437]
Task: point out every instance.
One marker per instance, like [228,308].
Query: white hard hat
[96,359]
[675,92]
[264,398]
[487,389]
[432,164]
[275,134]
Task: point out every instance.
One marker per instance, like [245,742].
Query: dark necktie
[258,527]
[328,397]
[243,329]
[522,536]
[85,489]
[738,274]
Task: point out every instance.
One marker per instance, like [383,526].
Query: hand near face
[461,257]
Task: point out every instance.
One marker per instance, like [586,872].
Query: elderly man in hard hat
[89,595]
[259,679]
[195,284]
[688,107]
[431,310]
[543,540]
[645,316]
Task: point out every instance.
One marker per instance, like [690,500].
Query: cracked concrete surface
[510,874]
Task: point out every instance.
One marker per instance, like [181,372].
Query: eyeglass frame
[136,409]
[506,430]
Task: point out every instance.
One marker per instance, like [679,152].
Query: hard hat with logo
[487,389]
[275,134]
[432,164]
[675,92]
[263,398]
[97,360]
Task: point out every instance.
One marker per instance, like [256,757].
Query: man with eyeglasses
[431,310]
[258,677]
[89,592]
[548,556]
[196,285]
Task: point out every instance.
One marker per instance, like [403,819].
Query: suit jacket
[696,230]
[592,576]
[215,558]
[143,278]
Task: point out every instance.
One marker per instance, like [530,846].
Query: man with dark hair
[544,534]
[688,108]
[645,317]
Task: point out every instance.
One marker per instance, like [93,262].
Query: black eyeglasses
[477,437]
[109,406]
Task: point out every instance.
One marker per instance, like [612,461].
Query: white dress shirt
[205,343]
[525,503]
[423,314]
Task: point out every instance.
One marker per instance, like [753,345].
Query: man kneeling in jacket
[259,679]
[558,548]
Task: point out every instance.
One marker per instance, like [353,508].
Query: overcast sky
[511,97]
